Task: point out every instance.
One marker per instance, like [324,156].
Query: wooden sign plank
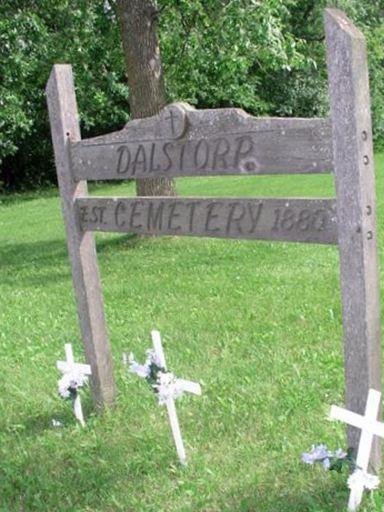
[81,247]
[182,141]
[298,220]
[356,207]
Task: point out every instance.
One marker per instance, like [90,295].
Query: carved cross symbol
[173,121]
[69,366]
[172,117]
[369,427]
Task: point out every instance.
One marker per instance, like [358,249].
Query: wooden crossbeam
[205,143]
[298,220]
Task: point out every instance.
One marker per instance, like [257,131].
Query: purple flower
[321,454]
[326,463]
[317,453]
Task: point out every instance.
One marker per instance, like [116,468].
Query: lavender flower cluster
[335,460]
[321,454]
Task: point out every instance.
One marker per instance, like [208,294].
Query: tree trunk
[138,24]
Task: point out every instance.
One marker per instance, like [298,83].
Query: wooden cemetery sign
[182,141]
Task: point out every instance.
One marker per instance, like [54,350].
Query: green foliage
[375,39]
[264,56]
[267,57]
[218,53]
[33,36]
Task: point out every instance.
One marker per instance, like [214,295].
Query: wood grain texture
[356,206]
[64,127]
[182,141]
[298,220]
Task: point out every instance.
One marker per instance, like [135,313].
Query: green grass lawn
[257,323]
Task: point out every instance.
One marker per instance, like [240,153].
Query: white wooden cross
[369,427]
[69,366]
[186,385]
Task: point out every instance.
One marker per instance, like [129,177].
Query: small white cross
[186,385]
[369,427]
[67,367]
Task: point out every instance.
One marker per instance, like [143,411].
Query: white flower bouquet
[165,384]
[70,383]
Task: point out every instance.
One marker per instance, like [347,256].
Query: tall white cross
[369,427]
[186,385]
[69,366]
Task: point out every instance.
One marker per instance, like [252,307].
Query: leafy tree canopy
[266,56]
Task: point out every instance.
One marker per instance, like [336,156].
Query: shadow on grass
[32,253]
[21,197]
[59,472]
[33,263]
[53,252]
[39,422]
[326,498]
[126,241]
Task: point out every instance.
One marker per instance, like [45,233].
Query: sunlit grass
[258,324]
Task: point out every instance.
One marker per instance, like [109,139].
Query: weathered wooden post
[356,210]
[81,247]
